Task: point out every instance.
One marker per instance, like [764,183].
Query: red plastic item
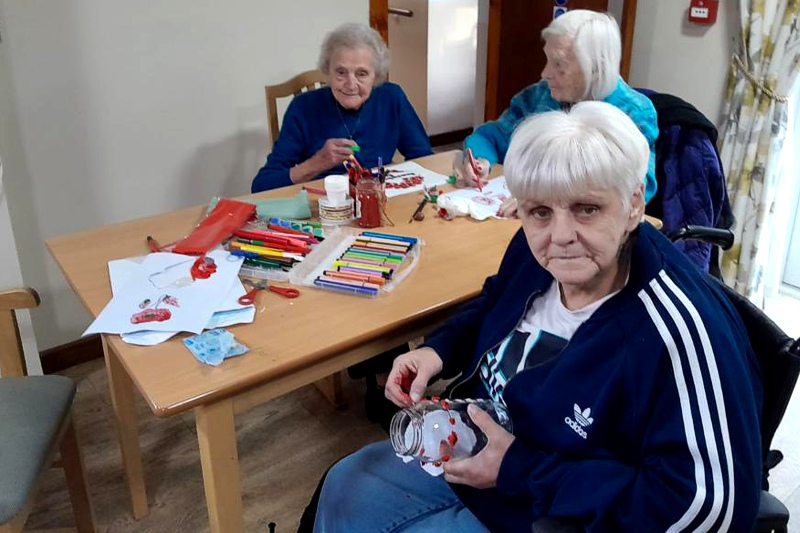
[703,11]
[227,216]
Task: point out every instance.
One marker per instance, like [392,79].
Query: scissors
[250,297]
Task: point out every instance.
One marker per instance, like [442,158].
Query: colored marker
[410,240]
[345,288]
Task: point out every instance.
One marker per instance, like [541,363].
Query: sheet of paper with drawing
[411,177]
[479,205]
[230,311]
[161,295]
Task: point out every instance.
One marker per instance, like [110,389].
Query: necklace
[341,117]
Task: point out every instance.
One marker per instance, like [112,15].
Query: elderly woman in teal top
[583,50]
[321,128]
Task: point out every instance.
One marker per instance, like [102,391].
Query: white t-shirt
[540,337]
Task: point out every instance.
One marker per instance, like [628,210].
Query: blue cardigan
[667,387]
[385,123]
[490,141]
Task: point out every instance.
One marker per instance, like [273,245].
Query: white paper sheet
[430,178]
[161,296]
[231,311]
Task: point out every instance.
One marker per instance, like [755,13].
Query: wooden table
[292,343]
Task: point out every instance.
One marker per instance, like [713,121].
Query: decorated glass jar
[439,430]
[369,197]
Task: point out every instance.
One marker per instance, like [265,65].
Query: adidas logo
[583,417]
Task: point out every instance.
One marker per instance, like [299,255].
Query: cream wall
[111,110]
[126,109]
[674,56]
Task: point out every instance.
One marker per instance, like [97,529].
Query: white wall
[10,272]
[126,109]
[674,56]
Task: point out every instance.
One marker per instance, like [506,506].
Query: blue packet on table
[214,346]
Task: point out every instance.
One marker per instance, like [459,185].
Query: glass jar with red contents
[369,198]
[435,431]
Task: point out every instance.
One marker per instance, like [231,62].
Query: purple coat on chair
[691,182]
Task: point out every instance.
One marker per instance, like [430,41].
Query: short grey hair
[597,44]
[559,154]
[355,35]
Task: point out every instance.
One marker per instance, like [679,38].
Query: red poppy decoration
[203,268]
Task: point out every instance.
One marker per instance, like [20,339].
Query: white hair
[597,44]
[560,154]
[355,35]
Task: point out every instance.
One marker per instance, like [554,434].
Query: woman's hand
[332,153]
[466,174]
[482,470]
[508,209]
[410,375]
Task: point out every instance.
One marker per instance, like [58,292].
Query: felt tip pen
[152,244]
[411,240]
[362,265]
[378,280]
[376,253]
[355,148]
[301,223]
[364,271]
[351,282]
[345,288]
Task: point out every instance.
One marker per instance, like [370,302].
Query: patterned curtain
[762,72]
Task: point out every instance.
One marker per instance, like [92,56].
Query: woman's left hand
[481,471]
[508,209]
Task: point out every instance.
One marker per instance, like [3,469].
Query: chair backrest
[12,357]
[305,81]
[779,360]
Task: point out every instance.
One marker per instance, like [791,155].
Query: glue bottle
[435,431]
[368,202]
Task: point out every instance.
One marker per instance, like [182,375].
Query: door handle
[401,12]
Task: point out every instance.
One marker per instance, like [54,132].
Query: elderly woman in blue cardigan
[357,108]
[583,50]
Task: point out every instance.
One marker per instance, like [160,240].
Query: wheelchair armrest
[772,514]
[716,236]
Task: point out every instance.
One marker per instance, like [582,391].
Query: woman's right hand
[410,375]
[333,152]
[465,173]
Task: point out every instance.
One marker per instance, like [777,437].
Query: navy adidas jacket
[648,420]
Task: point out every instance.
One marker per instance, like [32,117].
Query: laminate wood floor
[284,448]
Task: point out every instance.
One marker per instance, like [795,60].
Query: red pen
[475,168]
[153,244]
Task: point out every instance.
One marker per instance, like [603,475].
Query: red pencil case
[227,217]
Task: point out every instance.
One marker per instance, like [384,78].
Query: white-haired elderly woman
[357,108]
[583,50]
[630,382]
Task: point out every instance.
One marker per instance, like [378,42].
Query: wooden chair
[35,422]
[305,81]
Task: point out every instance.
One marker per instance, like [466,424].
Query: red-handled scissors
[250,297]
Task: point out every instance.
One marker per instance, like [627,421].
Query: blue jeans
[374,491]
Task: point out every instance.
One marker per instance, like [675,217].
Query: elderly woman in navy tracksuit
[630,381]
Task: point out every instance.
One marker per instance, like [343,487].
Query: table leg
[331,388]
[122,400]
[216,435]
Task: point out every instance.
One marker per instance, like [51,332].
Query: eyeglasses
[360,74]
